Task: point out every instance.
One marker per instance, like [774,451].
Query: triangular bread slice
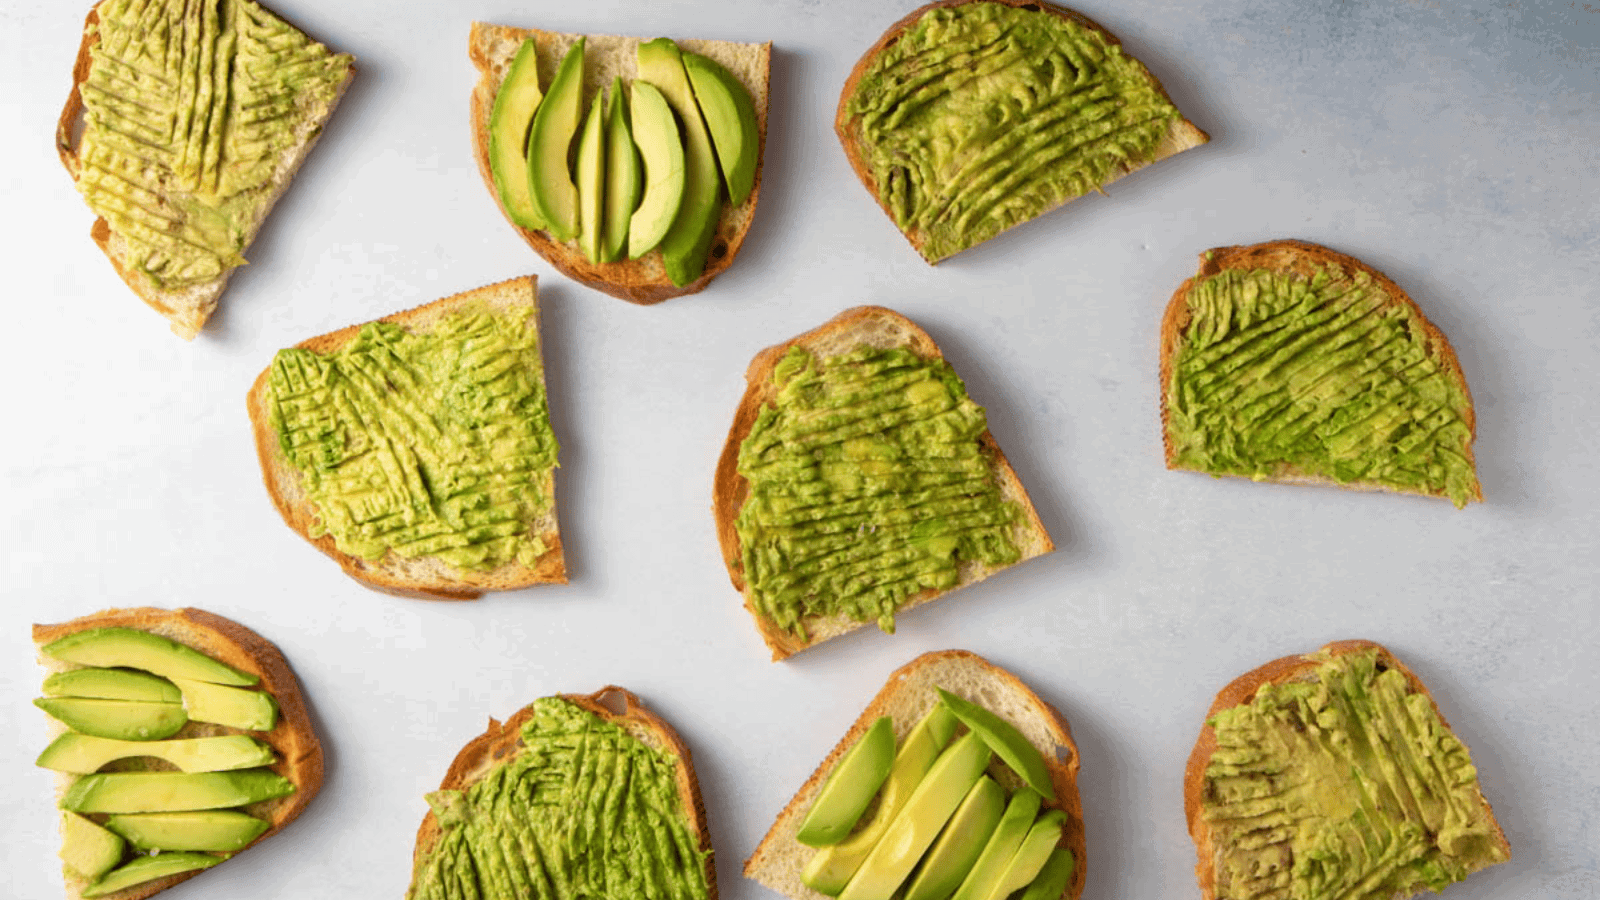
[154,206]
[982,118]
[643,280]
[908,694]
[423,576]
[1325,363]
[1282,837]
[293,741]
[863,326]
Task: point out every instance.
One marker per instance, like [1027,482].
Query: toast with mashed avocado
[1286,361]
[574,796]
[969,117]
[1334,774]
[238,764]
[1011,821]
[708,135]
[859,480]
[185,123]
[416,450]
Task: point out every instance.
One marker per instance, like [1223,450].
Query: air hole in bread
[1031,7]
[614,700]
[719,249]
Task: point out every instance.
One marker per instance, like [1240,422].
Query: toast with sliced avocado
[633,166]
[1334,774]
[860,480]
[979,800]
[146,808]
[416,450]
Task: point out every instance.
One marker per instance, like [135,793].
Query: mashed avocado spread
[867,484]
[583,810]
[1349,786]
[188,108]
[983,115]
[434,444]
[1321,376]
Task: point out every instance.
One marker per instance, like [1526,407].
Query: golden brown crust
[1243,690]
[1305,259]
[1183,134]
[293,740]
[500,741]
[730,490]
[643,280]
[282,481]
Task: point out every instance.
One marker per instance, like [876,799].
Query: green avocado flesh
[149,868]
[850,787]
[867,484]
[433,444]
[135,792]
[187,110]
[510,120]
[1348,786]
[1323,376]
[112,684]
[83,754]
[88,850]
[218,830]
[982,116]
[126,720]
[131,647]
[582,810]
[235,707]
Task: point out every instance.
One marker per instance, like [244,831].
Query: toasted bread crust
[440,582]
[500,741]
[907,695]
[730,490]
[1182,135]
[1243,690]
[643,280]
[292,739]
[1302,258]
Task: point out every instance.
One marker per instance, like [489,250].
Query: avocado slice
[1053,878]
[957,769]
[137,649]
[84,754]
[687,242]
[831,868]
[149,868]
[221,830]
[655,132]
[112,684]
[555,197]
[731,118]
[235,707]
[850,787]
[132,792]
[591,181]
[1006,742]
[960,843]
[127,720]
[623,178]
[510,121]
[1025,865]
[1015,825]
[87,850]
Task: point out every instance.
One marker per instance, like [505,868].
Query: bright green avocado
[851,785]
[623,179]
[143,650]
[684,248]
[112,684]
[959,845]
[149,868]
[509,123]
[1053,879]
[1006,742]
[656,134]
[87,850]
[217,830]
[1002,845]
[1030,857]
[83,754]
[126,720]
[134,792]
[555,197]
[221,705]
[731,118]
[831,868]
[591,182]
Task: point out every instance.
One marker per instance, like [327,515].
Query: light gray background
[1452,145]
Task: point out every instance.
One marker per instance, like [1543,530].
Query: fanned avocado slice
[509,123]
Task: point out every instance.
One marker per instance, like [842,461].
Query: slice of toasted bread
[503,741]
[909,693]
[294,743]
[1305,363]
[1197,783]
[153,212]
[980,117]
[424,576]
[643,280]
[869,326]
